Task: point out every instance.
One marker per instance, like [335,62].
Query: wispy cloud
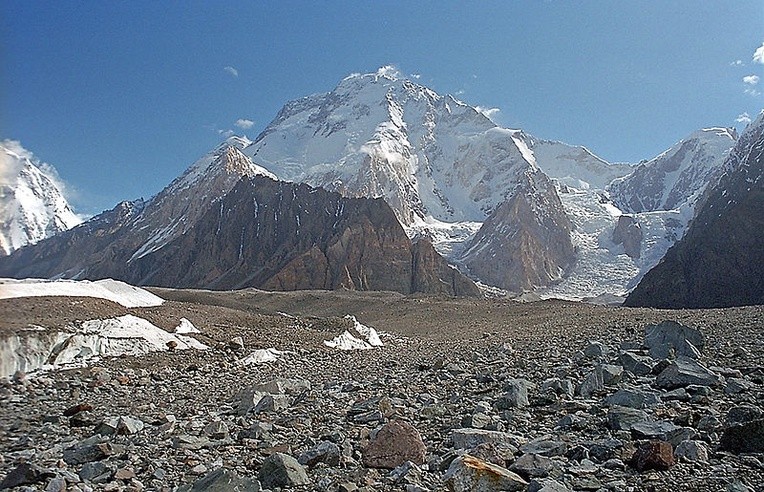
[10,167]
[490,113]
[232,71]
[758,55]
[751,79]
[737,63]
[226,133]
[244,124]
[744,118]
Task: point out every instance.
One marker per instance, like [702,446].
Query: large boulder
[671,338]
[395,443]
[470,474]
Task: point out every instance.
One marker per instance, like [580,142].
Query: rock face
[259,233]
[628,233]
[32,207]
[720,260]
[525,243]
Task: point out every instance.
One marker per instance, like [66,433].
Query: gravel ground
[447,365]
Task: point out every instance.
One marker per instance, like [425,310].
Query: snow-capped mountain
[227,223]
[720,260]
[677,177]
[32,206]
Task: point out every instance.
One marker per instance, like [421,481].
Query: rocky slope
[720,260]
[206,231]
[32,207]
[565,396]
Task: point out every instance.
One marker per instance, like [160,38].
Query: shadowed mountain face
[263,233]
[720,260]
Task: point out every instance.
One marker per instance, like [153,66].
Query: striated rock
[516,395]
[282,470]
[470,474]
[324,452]
[669,339]
[683,372]
[396,442]
[654,455]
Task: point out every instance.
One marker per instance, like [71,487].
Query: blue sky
[122,96]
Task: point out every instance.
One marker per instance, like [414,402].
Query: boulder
[532,465]
[222,480]
[324,452]
[670,338]
[282,470]
[745,437]
[685,371]
[654,455]
[396,442]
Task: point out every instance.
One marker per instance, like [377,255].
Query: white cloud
[743,118]
[10,167]
[751,79]
[758,55]
[489,113]
[244,124]
[231,70]
[226,133]
[752,92]
[416,76]
[736,63]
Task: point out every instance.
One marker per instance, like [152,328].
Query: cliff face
[720,260]
[263,233]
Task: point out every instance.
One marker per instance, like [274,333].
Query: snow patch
[112,290]
[360,337]
[261,356]
[126,335]
[186,327]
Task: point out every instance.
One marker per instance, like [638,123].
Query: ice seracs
[32,205]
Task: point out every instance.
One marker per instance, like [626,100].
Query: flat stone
[684,372]
[639,365]
[396,442]
[631,398]
[470,474]
[282,470]
[545,447]
[546,485]
[532,465]
[470,438]
[653,430]
[623,418]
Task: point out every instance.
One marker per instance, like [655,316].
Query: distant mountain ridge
[32,207]
[227,223]
[720,260]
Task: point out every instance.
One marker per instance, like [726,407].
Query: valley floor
[444,367]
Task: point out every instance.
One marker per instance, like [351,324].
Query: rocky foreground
[478,395]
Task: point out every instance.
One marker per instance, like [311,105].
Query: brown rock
[654,455]
[395,443]
[80,407]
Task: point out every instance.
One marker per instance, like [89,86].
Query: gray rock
[222,480]
[545,447]
[324,452]
[470,474]
[684,372]
[594,383]
[216,430]
[25,474]
[282,470]
[532,465]
[611,374]
[91,471]
[470,438]
[744,413]
[746,437]
[546,485]
[558,386]
[272,403]
[623,418]
[735,386]
[93,449]
[631,398]
[595,349]
[691,451]
[673,339]
[653,430]
[639,365]
[515,396]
